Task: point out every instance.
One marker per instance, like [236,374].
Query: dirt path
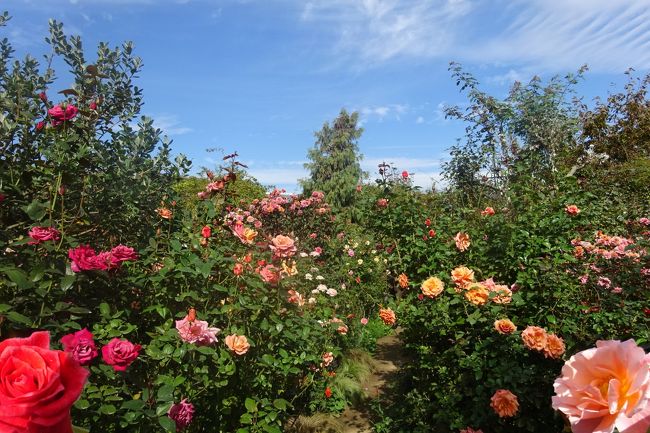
[389,358]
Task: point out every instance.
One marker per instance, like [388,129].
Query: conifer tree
[334,167]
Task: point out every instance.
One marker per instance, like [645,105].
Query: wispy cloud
[382,112]
[170,124]
[552,35]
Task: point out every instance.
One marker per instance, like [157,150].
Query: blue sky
[260,76]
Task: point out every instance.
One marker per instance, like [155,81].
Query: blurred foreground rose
[606,387]
[37,386]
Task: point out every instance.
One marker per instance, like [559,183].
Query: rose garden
[135,297]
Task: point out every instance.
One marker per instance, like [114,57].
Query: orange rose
[388,316]
[462,276]
[504,326]
[403,280]
[432,287]
[554,346]
[477,294]
[237,343]
[534,338]
[462,241]
[504,403]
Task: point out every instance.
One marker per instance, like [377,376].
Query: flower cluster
[84,258]
[118,353]
[479,293]
[537,339]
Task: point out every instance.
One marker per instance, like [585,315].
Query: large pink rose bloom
[196,332]
[606,388]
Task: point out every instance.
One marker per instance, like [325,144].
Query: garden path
[389,358]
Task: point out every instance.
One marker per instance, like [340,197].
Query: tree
[334,168]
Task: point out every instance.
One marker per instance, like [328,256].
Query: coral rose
[504,326]
[432,287]
[237,343]
[462,276]
[462,241]
[120,353]
[270,274]
[606,388]
[487,212]
[477,294]
[164,213]
[81,346]
[572,210]
[283,246]
[504,403]
[37,386]
[206,232]
[388,316]
[534,338]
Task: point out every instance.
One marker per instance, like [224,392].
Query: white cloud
[170,124]
[382,112]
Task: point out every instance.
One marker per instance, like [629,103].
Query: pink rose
[120,353]
[606,387]
[382,203]
[42,234]
[37,386]
[645,221]
[81,346]
[364,321]
[83,258]
[196,332]
[122,253]
[59,114]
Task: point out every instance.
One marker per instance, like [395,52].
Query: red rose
[83,258]
[328,392]
[37,386]
[40,125]
[81,346]
[120,353]
[405,174]
[42,234]
[93,105]
[2,197]
[206,232]
[427,222]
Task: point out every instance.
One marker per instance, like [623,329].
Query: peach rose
[487,212]
[245,234]
[432,287]
[606,388]
[477,294]
[534,338]
[504,326]
[504,403]
[462,241]
[462,276]
[282,246]
[403,280]
[388,316]
[554,346]
[237,343]
[503,294]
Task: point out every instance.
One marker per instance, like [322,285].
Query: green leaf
[76,429]
[133,405]
[13,316]
[246,418]
[251,405]
[280,404]
[107,409]
[36,210]
[105,310]
[67,281]
[19,278]
[167,423]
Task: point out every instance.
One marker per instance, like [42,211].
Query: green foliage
[334,167]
